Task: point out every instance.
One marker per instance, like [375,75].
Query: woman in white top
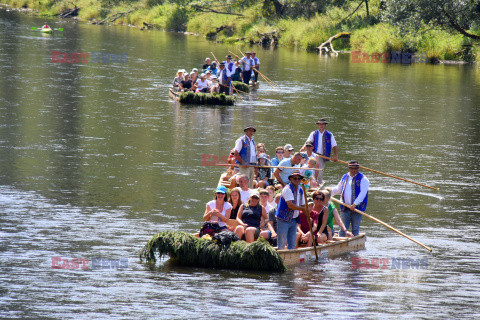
[218,209]
[202,84]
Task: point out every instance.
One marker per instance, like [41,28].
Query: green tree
[458,15]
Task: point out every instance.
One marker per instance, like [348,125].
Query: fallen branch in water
[323,46]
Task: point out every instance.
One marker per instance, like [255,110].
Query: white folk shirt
[248,63]
[253,150]
[347,194]
[320,141]
[287,194]
[229,74]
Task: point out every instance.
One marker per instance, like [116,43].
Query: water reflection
[94,159]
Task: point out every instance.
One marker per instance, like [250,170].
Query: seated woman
[186,83]
[263,175]
[320,208]
[303,229]
[271,196]
[213,68]
[218,209]
[213,85]
[202,84]
[237,75]
[194,75]
[249,217]
[236,202]
[261,149]
[333,213]
[178,79]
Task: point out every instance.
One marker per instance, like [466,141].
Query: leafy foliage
[412,15]
[187,250]
[177,21]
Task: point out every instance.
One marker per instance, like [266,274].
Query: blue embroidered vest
[327,143]
[229,66]
[355,190]
[224,76]
[284,213]
[245,152]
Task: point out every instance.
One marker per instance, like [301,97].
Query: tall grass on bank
[368,33]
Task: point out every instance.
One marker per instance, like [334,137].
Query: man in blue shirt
[282,174]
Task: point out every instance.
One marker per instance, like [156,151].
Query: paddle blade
[60,29]
[34,28]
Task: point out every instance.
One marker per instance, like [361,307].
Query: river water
[95,159]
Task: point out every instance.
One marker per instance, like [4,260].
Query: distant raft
[242,87]
[187,250]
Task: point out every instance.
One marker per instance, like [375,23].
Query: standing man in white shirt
[246,154]
[230,69]
[323,142]
[354,189]
[256,65]
[223,79]
[247,64]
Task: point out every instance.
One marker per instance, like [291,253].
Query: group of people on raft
[267,197]
[218,76]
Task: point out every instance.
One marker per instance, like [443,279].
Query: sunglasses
[279,151]
[319,198]
[220,193]
[297,178]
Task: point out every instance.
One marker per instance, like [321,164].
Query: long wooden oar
[238,58]
[263,76]
[382,223]
[385,174]
[307,214]
[257,166]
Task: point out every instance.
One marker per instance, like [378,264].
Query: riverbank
[254,22]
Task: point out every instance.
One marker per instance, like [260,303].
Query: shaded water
[94,159]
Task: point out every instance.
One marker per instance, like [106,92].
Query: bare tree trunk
[366,5]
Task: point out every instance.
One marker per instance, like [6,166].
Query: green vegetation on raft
[187,250]
[240,86]
[206,98]
[301,26]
